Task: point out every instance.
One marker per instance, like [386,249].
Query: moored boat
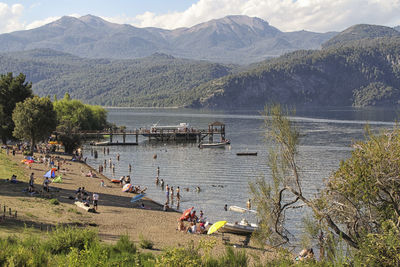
[214,145]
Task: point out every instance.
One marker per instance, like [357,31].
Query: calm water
[222,176]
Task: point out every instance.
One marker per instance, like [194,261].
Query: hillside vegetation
[358,73]
[158,80]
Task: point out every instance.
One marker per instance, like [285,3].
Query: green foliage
[179,257]
[12,91]
[54,201]
[125,245]
[63,239]
[34,120]
[331,76]
[145,243]
[73,115]
[381,249]
[274,198]
[155,81]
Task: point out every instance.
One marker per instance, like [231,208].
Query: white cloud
[38,23]
[287,15]
[10,17]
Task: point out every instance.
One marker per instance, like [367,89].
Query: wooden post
[15,214]
[9,211]
[123,137]
[137,137]
[111,137]
[4,210]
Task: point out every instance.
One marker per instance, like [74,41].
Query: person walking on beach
[157,180]
[130,167]
[117,156]
[95,200]
[162,183]
[178,194]
[108,151]
[31,183]
[158,171]
[110,163]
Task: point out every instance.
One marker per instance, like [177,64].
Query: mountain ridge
[232,39]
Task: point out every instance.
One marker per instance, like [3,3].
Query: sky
[286,15]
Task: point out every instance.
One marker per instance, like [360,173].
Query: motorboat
[240,228]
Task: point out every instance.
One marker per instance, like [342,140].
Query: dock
[181,133]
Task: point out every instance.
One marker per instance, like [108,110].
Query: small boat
[241,228]
[246,154]
[240,209]
[105,143]
[214,145]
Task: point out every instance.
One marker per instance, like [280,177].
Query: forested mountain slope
[158,80]
[359,73]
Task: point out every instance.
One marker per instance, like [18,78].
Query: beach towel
[58,179]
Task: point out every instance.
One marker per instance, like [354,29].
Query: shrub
[64,238]
[179,257]
[145,243]
[125,245]
[54,201]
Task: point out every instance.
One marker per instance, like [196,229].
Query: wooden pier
[159,134]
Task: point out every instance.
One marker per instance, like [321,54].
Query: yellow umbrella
[215,227]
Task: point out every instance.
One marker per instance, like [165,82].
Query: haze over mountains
[232,39]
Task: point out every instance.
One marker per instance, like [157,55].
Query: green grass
[8,168]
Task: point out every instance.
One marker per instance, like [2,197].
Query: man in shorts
[95,200]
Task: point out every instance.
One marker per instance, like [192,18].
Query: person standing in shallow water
[248,204]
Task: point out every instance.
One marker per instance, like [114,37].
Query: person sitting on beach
[102,183]
[122,180]
[202,228]
[165,207]
[193,228]
[193,217]
[128,179]
[181,226]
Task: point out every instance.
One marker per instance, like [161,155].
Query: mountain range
[232,39]
[359,66]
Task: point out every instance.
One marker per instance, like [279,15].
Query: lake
[327,135]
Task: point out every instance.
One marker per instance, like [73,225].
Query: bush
[125,245]
[145,243]
[179,257]
[54,201]
[63,239]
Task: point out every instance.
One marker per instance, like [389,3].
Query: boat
[246,154]
[240,228]
[105,143]
[240,209]
[214,145]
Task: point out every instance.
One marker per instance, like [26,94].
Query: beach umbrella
[126,188]
[215,227]
[186,214]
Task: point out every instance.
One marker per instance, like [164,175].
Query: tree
[12,91]
[34,120]
[72,116]
[274,199]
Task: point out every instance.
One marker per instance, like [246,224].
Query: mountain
[157,80]
[397,28]
[363,74]
[236,39]
[359,32]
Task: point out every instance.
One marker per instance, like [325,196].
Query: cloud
[10,17]
[38,23]
[287,15]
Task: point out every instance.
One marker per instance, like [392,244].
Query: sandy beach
[115,216]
